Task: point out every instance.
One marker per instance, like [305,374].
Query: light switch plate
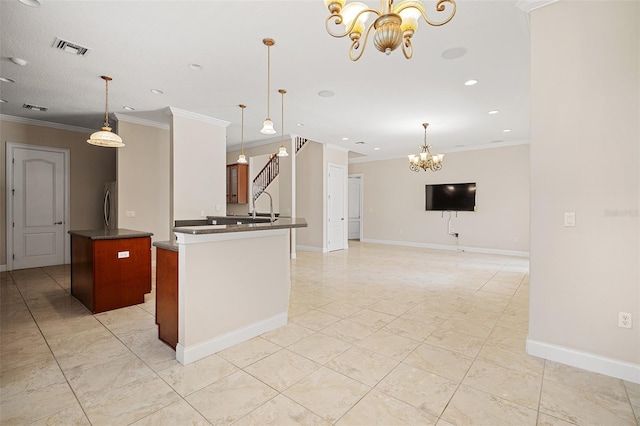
[569,218]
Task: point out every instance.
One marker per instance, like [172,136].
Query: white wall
[585,159]
[143,178]
[310,196]
[394,201]
[198,168]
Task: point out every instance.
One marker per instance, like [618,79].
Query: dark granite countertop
[280,223]
[110,234]
[167,245]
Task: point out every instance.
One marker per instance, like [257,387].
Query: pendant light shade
[105,137]
[267,126]
[282,152]
[241,158]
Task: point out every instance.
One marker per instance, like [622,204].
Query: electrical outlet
[624,319]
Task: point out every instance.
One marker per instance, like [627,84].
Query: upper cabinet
[237,183]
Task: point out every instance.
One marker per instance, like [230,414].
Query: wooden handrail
[264,178]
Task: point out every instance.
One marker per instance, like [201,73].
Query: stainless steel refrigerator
[110,205]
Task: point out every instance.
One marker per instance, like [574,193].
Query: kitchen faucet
[273,216]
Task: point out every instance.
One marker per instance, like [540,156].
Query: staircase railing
[263,179]
[270,171]
[299,143]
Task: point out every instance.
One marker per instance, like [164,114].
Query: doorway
[355,206]
[37,206]
[336,208]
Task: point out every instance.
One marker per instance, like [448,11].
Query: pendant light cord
[242,131]
[106,103]
[268,79]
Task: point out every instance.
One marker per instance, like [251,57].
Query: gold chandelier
[105,137]
[394,25]
[425,159]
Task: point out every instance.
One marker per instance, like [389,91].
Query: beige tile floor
[377,335]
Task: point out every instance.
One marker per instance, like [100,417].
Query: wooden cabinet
[237,183]
[110,269]
[167,295]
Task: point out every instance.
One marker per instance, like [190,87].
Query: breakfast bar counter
[233,283]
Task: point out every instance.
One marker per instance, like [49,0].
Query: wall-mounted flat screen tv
[451,196]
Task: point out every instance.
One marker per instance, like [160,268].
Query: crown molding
[368,159]
[529,5]
[336,147]
[49,124]
[195,116]
[141,121]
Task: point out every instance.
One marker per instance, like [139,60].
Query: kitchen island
[233,284]
[110,268]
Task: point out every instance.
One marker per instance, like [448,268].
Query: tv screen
[451,196]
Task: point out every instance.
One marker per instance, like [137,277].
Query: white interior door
[38,207]
[336,208]
[355,206]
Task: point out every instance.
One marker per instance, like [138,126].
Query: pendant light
[282,152]
[241,158]
[106,137]
[267,126]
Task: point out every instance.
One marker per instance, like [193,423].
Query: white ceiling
[381,100]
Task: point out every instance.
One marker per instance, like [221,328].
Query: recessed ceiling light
[128,108]
[7,80]
[454,53]
[157,92]
[195,66]
[300,124]
[3,101]
[492,112]
[326,93]
[360,143]
[470,82]
[376,149]
[506,130]
[32,3]
[345,139]
[18,61]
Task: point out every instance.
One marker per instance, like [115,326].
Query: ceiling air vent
[67,46]
[35,107]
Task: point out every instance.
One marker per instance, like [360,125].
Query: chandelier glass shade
[392,25]
[267,126]
[282,152]
[105,137]
[425,160]
[241,158]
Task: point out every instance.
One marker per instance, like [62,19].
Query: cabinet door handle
[58,223]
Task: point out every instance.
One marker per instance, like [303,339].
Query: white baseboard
[587,361]
[3,268]
[448,247]
[310,248]
[204,349]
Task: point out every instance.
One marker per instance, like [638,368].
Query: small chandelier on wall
[393,25]
[425,159]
